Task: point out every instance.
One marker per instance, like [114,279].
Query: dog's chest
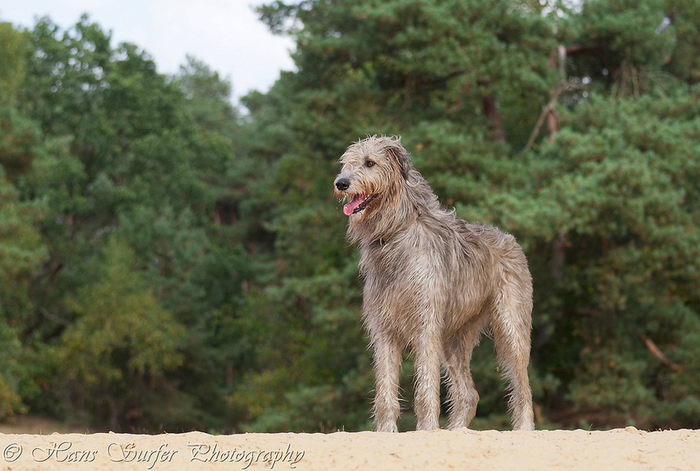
[389,264]
[397,284]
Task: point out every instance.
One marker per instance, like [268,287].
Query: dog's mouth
[358,203]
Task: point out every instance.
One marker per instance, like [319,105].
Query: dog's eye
[369,163]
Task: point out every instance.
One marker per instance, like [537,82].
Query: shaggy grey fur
[433,284]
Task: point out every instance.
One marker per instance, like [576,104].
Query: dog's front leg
[387,366]
[427,400]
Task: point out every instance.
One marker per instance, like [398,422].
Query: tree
[124,153]
[21,247]
[21,252]
[115,355]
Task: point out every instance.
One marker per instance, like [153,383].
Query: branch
[548,108]
[576,48]
[444,78]
[588,312]
[53,317]
[656,351]
[557,61]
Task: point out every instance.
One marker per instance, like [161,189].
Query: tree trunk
[490,106]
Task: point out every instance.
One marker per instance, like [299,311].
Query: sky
[225,34]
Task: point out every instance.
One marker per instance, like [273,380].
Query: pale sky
[225,34]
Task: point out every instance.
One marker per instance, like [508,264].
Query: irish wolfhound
[433,283]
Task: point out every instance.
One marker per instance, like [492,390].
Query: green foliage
[619,187]
[109,146]
[207,96]
[168,261]
[120,343]
[12,66]
[21,252]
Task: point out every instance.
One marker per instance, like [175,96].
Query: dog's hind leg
[462,396]
[511,325]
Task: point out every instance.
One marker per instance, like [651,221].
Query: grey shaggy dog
[433,284]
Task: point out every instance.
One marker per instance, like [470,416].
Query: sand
[464,449]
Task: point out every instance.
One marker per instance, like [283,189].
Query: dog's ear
[399,154]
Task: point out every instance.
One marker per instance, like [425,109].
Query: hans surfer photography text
[66,452]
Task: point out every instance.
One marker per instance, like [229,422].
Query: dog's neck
[400,207]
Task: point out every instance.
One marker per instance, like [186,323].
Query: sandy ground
[618,449]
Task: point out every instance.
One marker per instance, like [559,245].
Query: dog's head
[373,171]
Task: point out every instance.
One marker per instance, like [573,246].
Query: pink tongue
[350,207]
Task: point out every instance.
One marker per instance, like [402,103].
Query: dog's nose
[342,184]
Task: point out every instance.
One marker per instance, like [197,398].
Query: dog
[433,283]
